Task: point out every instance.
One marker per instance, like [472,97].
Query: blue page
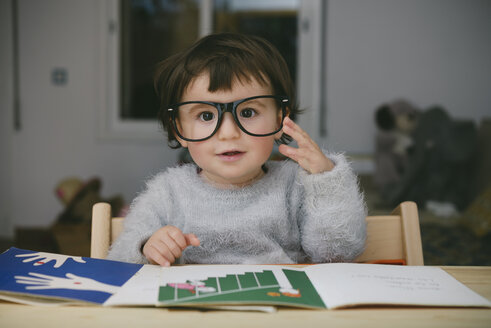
[60,276]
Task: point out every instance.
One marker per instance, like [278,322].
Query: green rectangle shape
[211,282]
[306,296]
[267,278]
[247,280]
[229,282]
[166,293]
[181,293]
[299,280]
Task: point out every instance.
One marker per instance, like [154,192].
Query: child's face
[230,156]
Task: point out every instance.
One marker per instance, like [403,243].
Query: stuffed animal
[79,197]
[442,162]
[395,122]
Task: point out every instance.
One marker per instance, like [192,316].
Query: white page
[140,290]
[345,284]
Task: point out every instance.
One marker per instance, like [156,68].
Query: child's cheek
[199,152]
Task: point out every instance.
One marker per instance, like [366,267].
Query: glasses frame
[228,107]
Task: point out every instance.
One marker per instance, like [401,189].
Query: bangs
[226,65]
[225,71]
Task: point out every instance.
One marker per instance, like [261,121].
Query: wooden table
[477,278]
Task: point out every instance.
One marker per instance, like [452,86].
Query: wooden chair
[105,230]
[393,238]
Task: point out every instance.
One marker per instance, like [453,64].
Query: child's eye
[247,113]
[207,116]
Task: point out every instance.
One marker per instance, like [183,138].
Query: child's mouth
[230,156]
[231,153]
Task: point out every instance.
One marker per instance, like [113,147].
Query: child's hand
[308,154]
[167,244]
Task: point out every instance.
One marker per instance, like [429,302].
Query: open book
[46,278]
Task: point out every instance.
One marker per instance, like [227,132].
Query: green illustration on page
[273,287]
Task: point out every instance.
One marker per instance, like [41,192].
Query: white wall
[59,123]
[427,51]
[6,117]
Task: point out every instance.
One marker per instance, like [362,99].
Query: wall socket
[59,76]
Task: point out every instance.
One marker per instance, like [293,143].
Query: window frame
[111,125]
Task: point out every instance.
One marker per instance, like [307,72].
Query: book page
[143,290]
[350,284]
[38,301]
[58,276]
[140,290]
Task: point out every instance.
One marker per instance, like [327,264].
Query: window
[150,32]
[143,32]
[275,21]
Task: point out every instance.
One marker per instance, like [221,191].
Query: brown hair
[225,57]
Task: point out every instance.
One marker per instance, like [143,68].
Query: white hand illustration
[42,281]
[41,258]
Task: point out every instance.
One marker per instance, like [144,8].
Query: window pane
[274,20]
[151,31]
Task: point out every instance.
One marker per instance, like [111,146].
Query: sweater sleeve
[146,215]
[332,220]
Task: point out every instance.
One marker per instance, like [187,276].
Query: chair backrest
[394,238]
[105,230]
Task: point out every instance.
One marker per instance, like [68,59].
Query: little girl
[227,99]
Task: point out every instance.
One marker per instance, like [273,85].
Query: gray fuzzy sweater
[288,216]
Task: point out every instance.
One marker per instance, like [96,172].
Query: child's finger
[311,161]
[177,236]
[171,246]
[192,240]
[162,251]
[296,132]
[292,129]
[295,153]
[154,256]
[288,151]
[168,254]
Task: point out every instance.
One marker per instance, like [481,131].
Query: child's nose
[228,128]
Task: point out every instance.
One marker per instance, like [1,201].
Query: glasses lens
[260,116]
[196,120]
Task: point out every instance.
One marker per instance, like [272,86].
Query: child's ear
[183,143]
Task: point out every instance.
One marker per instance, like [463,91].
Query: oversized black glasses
[257,116]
